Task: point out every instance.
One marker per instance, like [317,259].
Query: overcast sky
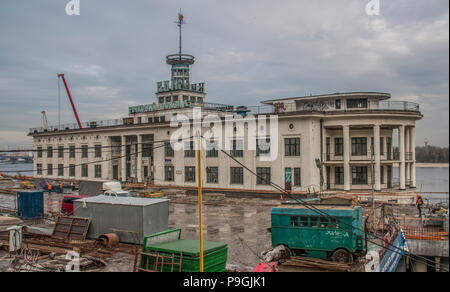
[246,51]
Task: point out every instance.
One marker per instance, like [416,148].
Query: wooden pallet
[71,228]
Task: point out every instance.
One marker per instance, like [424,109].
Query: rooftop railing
[319,106]
[278,108]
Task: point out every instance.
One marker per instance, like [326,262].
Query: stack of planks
[317,263]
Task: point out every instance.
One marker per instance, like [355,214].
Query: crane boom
[71,101]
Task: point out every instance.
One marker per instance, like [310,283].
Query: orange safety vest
[49,186]
[419,201]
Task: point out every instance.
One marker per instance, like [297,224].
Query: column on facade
[123,157]
[377,158]
[401,148]
[347,176]
[324,158]
[412,144]
[139,158]
[408,153]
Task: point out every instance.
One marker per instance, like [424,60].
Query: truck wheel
[342,256]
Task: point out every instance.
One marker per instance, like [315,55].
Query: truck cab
[67,203]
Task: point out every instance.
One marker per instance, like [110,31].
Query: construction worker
[419,203]
[49,188]
[60,188]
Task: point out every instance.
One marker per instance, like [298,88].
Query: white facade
[336,129]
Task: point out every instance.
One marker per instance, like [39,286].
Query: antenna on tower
[180,23]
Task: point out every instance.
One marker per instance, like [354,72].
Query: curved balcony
[180,59]
[323,107]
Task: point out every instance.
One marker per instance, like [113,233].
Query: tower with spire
[178,88]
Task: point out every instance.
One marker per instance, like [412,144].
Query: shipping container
[30,204]
[131,218]
[166,251]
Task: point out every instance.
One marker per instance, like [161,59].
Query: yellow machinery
[27,185]
[151,195]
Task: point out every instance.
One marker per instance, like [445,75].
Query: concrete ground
[241,223]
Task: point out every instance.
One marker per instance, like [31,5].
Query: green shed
[167,252]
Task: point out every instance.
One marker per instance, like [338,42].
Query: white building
[351,134]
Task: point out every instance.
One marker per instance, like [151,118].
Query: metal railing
[425,233]
[92,124]
[332,157]
[277,108]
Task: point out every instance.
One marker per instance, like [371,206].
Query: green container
[168,243]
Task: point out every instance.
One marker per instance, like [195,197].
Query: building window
[185,98]
[168,173]
[168,98]
[292,146]
[338,146]
[84,151]
[381,175]
[72,170]
[238,148]
[212,175]
[189,173]
[359,146]
[161,100]
[72,151]
[39,152]
[359,175]
[168,150]
[175,98]
[192,98]
[98,151]
[389,148]
[84,170]
[357,103]
[200,100]
[237,175]
[39,169]
[338,103]
[189,149]
[262,147]
[339,175]
[297,177]
[49,169]
[98,170]
[381,145]
[49,151]
[212,148]
[147,150]
[60,151]
[263,175]
[60,169]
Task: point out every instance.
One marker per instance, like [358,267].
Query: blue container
[30,204]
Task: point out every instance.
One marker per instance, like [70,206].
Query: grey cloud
[246,51]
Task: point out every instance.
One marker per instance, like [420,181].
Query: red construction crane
[71,101]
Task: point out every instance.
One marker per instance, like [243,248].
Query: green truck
[335,232]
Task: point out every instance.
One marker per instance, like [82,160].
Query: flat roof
[131,201]
[316,206]
[337,94]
